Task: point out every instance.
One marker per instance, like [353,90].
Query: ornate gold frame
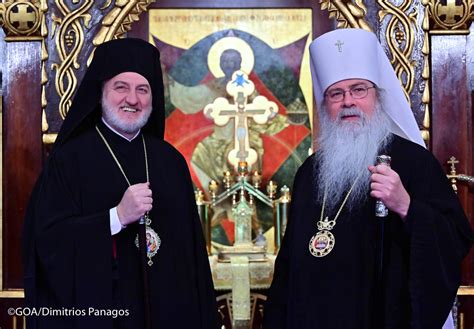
[347,13]
[443,17]
[29,16]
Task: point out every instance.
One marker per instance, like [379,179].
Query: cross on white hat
[357,54]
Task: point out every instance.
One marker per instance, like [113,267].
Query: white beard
[346,149]
[113,119]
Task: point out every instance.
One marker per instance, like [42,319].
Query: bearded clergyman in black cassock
[110,176]
[368,246]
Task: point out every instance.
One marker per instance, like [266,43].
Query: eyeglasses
[357,92]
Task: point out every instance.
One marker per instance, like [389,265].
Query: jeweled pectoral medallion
[153,243]
[321,243]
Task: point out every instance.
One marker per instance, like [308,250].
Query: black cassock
[421,262]
[71,249]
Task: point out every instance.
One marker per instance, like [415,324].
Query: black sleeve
[69,243]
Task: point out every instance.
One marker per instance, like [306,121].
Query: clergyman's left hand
[385,185]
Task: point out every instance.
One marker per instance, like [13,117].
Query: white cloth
[356,54]
[115,225]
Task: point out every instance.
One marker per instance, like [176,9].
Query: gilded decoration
[450,16]
[347,13]
[400,39]
[21,20]
[119,20]
[69,40]
[425,74]
[44,58]
[454,177]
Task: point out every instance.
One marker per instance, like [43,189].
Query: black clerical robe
[69,247]
[421,262]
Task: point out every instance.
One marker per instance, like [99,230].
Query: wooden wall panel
[451,118]
[452,131]
[22,148]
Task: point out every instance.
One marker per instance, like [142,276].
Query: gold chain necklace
[322,243]
[153,240]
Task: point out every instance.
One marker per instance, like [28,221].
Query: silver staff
[380,209]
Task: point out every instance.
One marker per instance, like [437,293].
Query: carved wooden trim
[21,20]
[347,13]
[119,20]
[450,16]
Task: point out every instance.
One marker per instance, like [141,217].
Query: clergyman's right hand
[136,201]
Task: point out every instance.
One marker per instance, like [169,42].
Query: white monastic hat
[356,54]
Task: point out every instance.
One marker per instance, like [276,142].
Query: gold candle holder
[213,186]
[228,179]
[242,168]
[285,194]
[271,189]
[203,215]
[199,197]
[256,179]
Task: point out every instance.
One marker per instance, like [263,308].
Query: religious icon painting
[153,243]
[200,50]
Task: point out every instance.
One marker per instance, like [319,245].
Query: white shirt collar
[115,131]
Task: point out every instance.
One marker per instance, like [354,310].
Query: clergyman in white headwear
[367,246]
